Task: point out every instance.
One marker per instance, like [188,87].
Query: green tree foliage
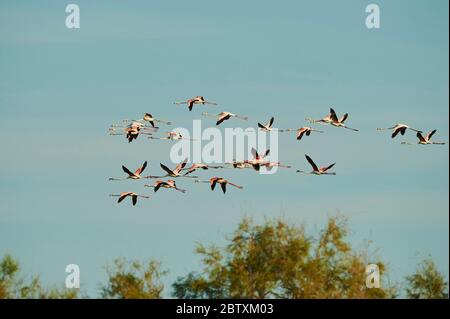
[276,260]
[427,282]
[8,270]
[134,280]
[270,260]
[12,286]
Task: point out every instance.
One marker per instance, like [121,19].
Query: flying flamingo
[268,126]
[176,172]
[255,162]
[131,175]
[223,116]
[333,120]
[169,184]
[150,119]
[425,140]
[258,160]
[196,100]
[173,136]
[219,180]
[133,196]
[302,131]
[196,166]
[131,132]
[399,128]
[240,164]
[133,124]
[317,170]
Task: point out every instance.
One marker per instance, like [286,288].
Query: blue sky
[60,90]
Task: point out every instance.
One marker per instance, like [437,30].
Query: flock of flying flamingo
[131,129]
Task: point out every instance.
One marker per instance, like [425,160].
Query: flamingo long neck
[237,186]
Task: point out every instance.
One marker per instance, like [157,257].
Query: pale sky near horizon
[60,90]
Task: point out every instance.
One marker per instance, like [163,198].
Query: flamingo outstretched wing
[324,169]
[429,135]
[396,131]
[190,104]
[123,196]
[311,162]
[222,118]
[126,170]
[302,132]
[420,137]
[148,115]
[141,169]
[165,168]
[333,115]
[213,182]
[180,166]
